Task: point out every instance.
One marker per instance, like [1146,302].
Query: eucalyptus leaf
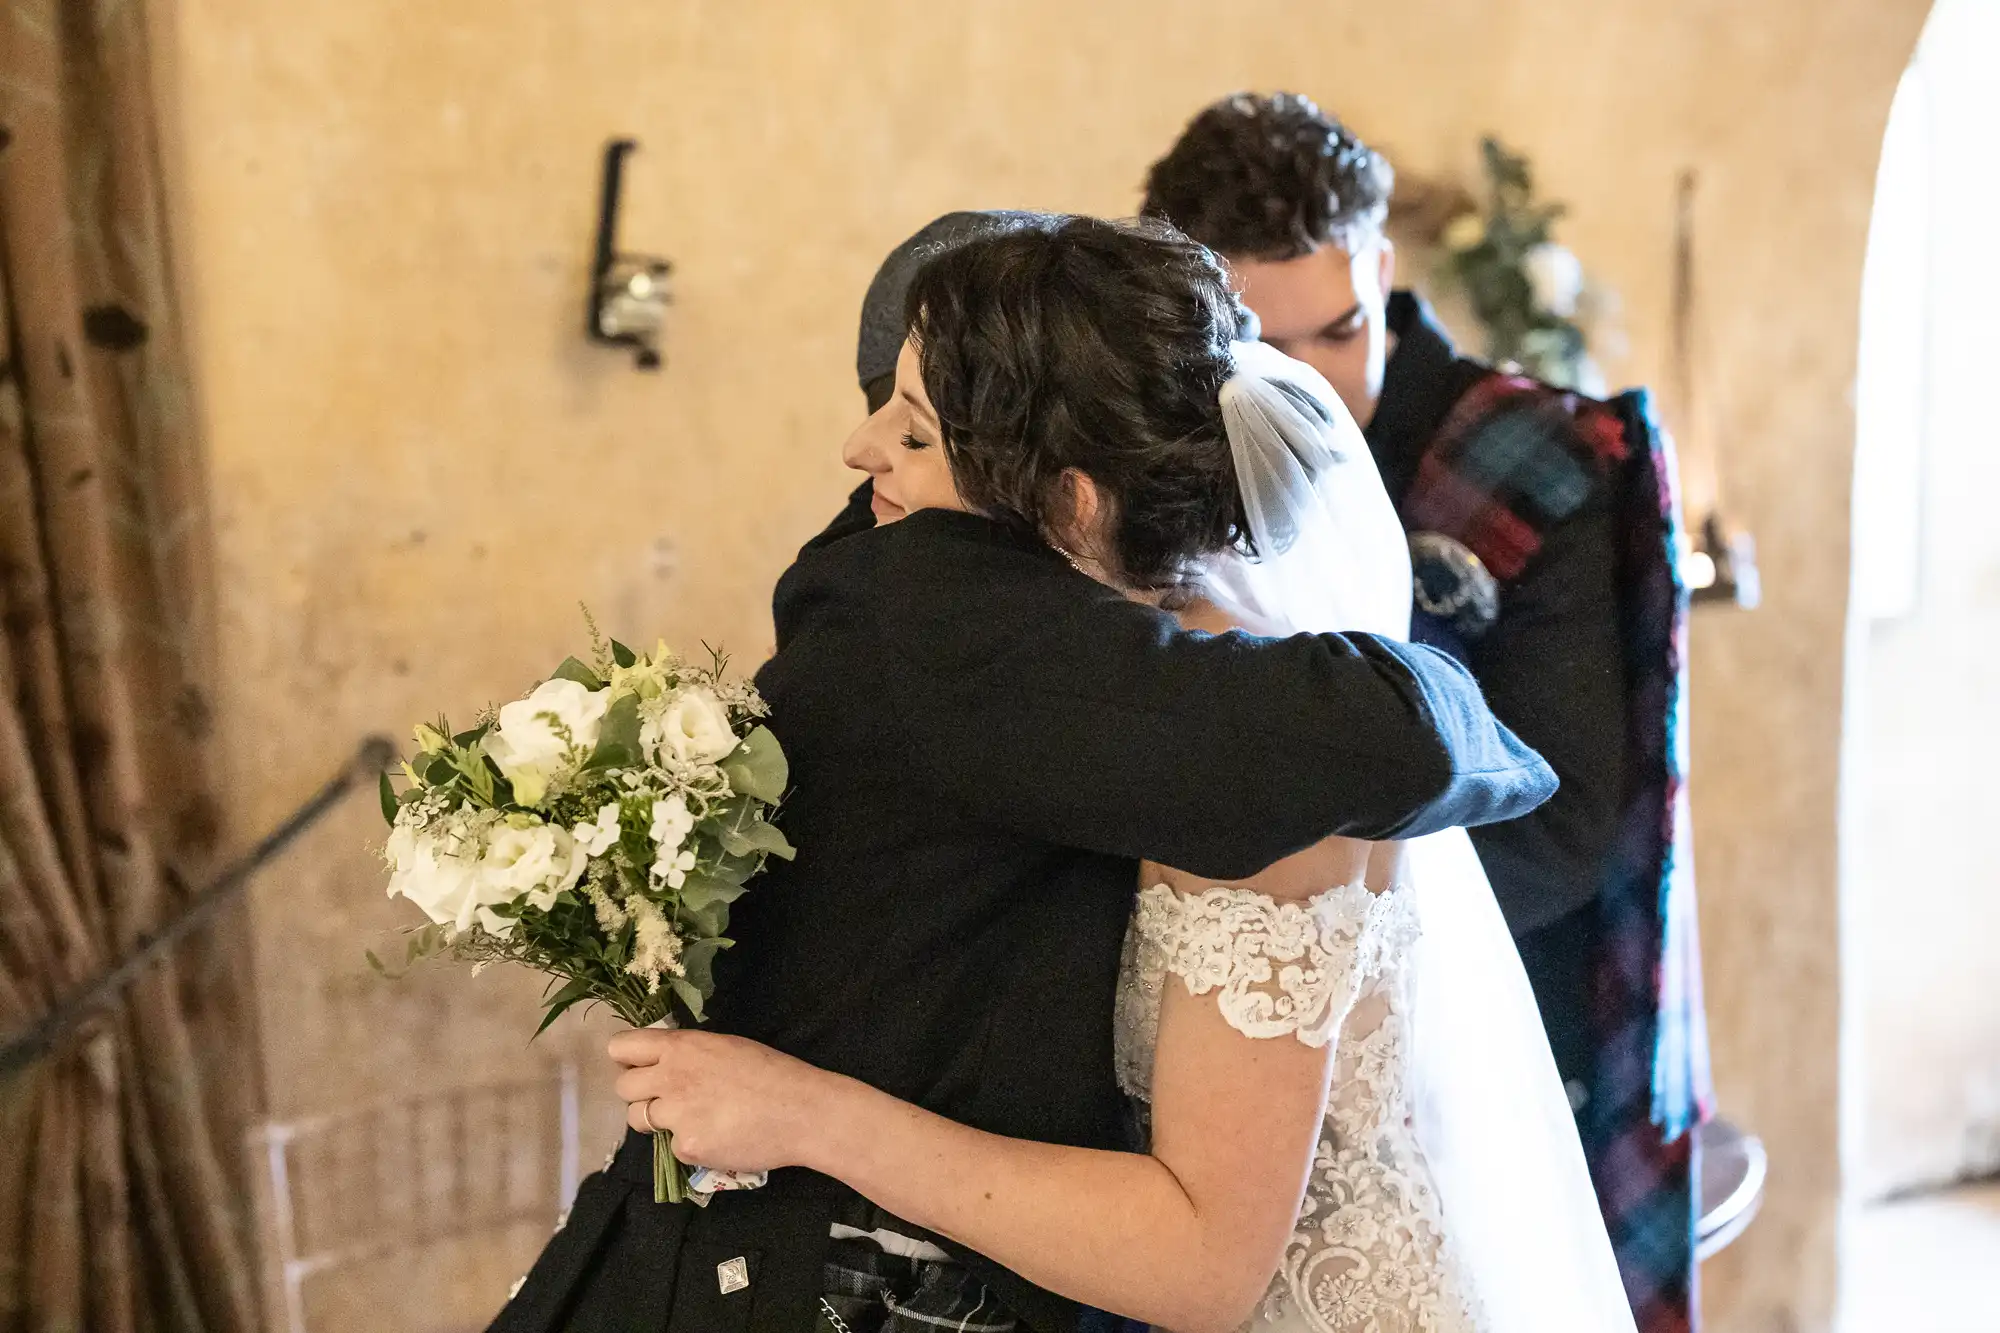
[571,669]
[621,655]
[757,836]
[700,890]
[618,736]
[739,825]
[389,805]
[706,922]
[698,963]
[465,740]
[690,997]
[757,767]
[734,869]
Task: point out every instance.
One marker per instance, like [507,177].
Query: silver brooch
[732,1274]
[1453,584]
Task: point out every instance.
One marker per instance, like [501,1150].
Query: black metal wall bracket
[629,293]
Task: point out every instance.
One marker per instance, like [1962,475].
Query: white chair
[373,1182]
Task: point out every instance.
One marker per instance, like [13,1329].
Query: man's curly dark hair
[1271,178]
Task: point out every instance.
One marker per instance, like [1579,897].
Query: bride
[1351,1118]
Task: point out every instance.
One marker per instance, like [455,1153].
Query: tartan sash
[1512,458]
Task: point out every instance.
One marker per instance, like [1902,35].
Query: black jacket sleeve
[1044,701]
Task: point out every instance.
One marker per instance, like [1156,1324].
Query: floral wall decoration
[1531,296]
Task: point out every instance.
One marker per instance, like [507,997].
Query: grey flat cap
[882,309]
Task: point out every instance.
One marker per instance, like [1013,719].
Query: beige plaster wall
[420,467]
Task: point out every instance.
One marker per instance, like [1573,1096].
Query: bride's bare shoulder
[1204,615]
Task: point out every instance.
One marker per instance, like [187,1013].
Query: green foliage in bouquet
[596,831]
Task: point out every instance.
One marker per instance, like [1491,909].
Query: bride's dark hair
[1100,346]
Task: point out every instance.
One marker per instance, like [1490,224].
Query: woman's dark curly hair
[1256,177]
[1099,346]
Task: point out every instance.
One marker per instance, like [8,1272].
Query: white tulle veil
[1491,1116]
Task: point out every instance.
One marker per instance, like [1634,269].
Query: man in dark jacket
[1510,491]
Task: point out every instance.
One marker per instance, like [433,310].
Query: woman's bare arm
[1186,1238]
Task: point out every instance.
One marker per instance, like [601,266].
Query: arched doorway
[1923,859]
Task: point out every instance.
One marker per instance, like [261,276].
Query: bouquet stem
[670,1177]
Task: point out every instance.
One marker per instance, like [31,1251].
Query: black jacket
[983,743]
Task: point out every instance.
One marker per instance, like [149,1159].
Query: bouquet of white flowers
[596,831]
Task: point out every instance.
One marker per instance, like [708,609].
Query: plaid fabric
[871,1291]
[1512,458]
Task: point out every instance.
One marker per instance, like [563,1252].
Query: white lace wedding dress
[1370,1254]
[1448,1192]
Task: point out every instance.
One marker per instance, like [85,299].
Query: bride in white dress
[1344,1064]
[1448,1191]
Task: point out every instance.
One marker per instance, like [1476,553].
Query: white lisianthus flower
[673,867]
[672,822]
[528,741]
[695,727]
[1464,232]
[1556,276]
[535,862]
[445,885]
[595,838]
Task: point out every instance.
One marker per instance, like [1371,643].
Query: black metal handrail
[33,1043]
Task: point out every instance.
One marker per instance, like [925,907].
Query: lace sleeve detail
[1283,968]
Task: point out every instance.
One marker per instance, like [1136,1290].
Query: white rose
[672,822]
[400,851]
[445,886]
[535,863]
[695,727]
[1556,277]
[595,838]
[526,742]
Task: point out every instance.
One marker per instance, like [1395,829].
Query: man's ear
[1387,259]
[1082,509]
